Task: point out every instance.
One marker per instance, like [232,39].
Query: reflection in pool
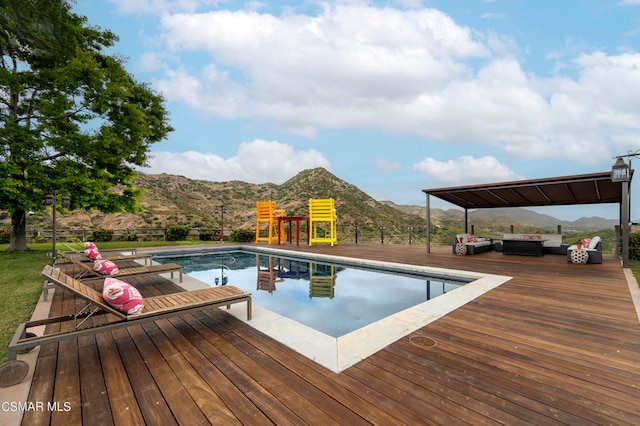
[332,298]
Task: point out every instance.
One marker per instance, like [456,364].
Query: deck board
[558,343]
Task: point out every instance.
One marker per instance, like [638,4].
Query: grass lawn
[21,285]
[20,288]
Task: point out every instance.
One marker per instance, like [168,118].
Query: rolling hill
[173,200]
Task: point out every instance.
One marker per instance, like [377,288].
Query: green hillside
[177,200]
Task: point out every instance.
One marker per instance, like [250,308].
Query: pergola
[594,188]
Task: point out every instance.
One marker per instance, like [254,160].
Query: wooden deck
[557,344]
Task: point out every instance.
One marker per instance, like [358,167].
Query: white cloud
[213,92]
[493,16]
[309,72]
[162,6]
[416,72]
[465,170]
[258,161]
[386,165]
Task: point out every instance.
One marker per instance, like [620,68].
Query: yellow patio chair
[266,212]
[322,211]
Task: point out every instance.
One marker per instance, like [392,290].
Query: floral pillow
[122,296]
[472,239]
[105,267]
[90,245]
[586,242]
[93,253]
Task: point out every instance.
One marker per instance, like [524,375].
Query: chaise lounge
[112,256]
[156,307]
[87,272]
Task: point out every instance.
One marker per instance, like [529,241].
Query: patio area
[557,344]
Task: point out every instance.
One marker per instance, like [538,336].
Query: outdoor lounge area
[558,343]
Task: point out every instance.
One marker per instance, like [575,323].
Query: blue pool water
[334,299]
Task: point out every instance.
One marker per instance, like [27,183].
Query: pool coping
[340,353]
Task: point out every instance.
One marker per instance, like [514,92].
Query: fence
[347,233]
[82,234]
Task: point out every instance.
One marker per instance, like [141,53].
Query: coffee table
[523,247]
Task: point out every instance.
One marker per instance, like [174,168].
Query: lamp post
[222,210]
[50,199]
[620,172]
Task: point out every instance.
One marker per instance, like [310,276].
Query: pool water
[333,299]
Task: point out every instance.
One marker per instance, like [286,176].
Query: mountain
[503,218]
[171,200]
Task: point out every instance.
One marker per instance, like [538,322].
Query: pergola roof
[594,188]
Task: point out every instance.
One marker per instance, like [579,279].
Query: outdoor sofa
[594,249]
[474,245]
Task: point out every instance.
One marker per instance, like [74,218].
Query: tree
[72,120]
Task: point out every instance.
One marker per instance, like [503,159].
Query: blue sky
[393,97]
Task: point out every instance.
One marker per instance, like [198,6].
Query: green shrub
[242,235]
[634,246]
[101,235]
[5,235]
[131,237]
[205,236]
[177,233]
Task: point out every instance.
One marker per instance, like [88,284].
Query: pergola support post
[624,220]
[466,221]
[428,226]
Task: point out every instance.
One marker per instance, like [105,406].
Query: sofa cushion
[480,243]
[122,296]
[463,237]
[552,240]
[594,242]
[105,267]
[93,253]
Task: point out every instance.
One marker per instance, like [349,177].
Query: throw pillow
[105,267]
[122,296]
[93,253]
[586,242]
[472,239]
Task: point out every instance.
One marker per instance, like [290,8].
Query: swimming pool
[334,310]
[331,298]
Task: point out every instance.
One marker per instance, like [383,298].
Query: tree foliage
[72,119]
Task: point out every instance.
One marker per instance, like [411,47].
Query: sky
[391,96]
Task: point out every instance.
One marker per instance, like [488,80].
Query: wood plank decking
[557,344]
